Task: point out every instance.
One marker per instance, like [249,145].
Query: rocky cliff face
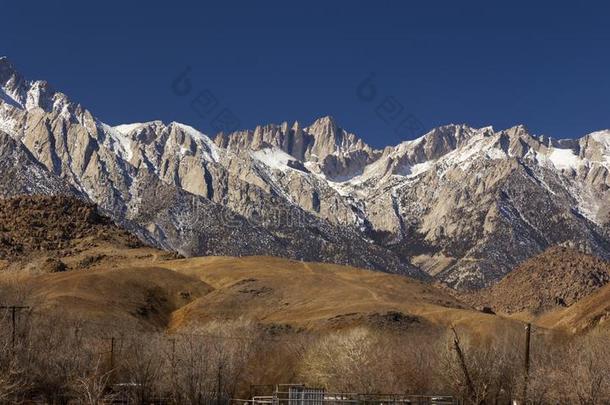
[460,204]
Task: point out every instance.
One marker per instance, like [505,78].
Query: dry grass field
[285,295]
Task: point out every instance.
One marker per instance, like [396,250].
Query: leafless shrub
[336,361]
[576,371]
[277,359]
[208,363]
[589,357]
[190,371]
[362,360]
[414,363]
[50,355]
[12,381]
[141,367]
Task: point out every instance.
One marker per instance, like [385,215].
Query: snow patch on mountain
[495,153]
[463,157]
[588,206]
[128,128]
[402,147]
[564,159]
[273,158]
[118,142]
[415,170]
[35,95]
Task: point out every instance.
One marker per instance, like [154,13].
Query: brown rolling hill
[119,298]
[278,294]
[301,295]
[557,278]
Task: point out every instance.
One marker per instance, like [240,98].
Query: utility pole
[219,383]
[173,350]
[173,361]
[528,338]
[112,353]
[14,309]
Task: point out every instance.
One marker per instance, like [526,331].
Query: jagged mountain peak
[20,93]
[330,139]
[326,119]
[13,87]
[437,142]
[7,69]
[314,143]
[324,125]
[519,129]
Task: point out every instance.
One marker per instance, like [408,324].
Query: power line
[528,337]
[80,323]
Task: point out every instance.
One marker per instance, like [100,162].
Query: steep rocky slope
[591,314]
[29,225]
[557,278]
[41,234]
[461,205]
[21,173]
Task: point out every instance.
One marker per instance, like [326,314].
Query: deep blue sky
[543,64]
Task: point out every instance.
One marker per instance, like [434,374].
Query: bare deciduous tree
[482,372]
[92,388]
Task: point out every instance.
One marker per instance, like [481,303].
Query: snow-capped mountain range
[460,205]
